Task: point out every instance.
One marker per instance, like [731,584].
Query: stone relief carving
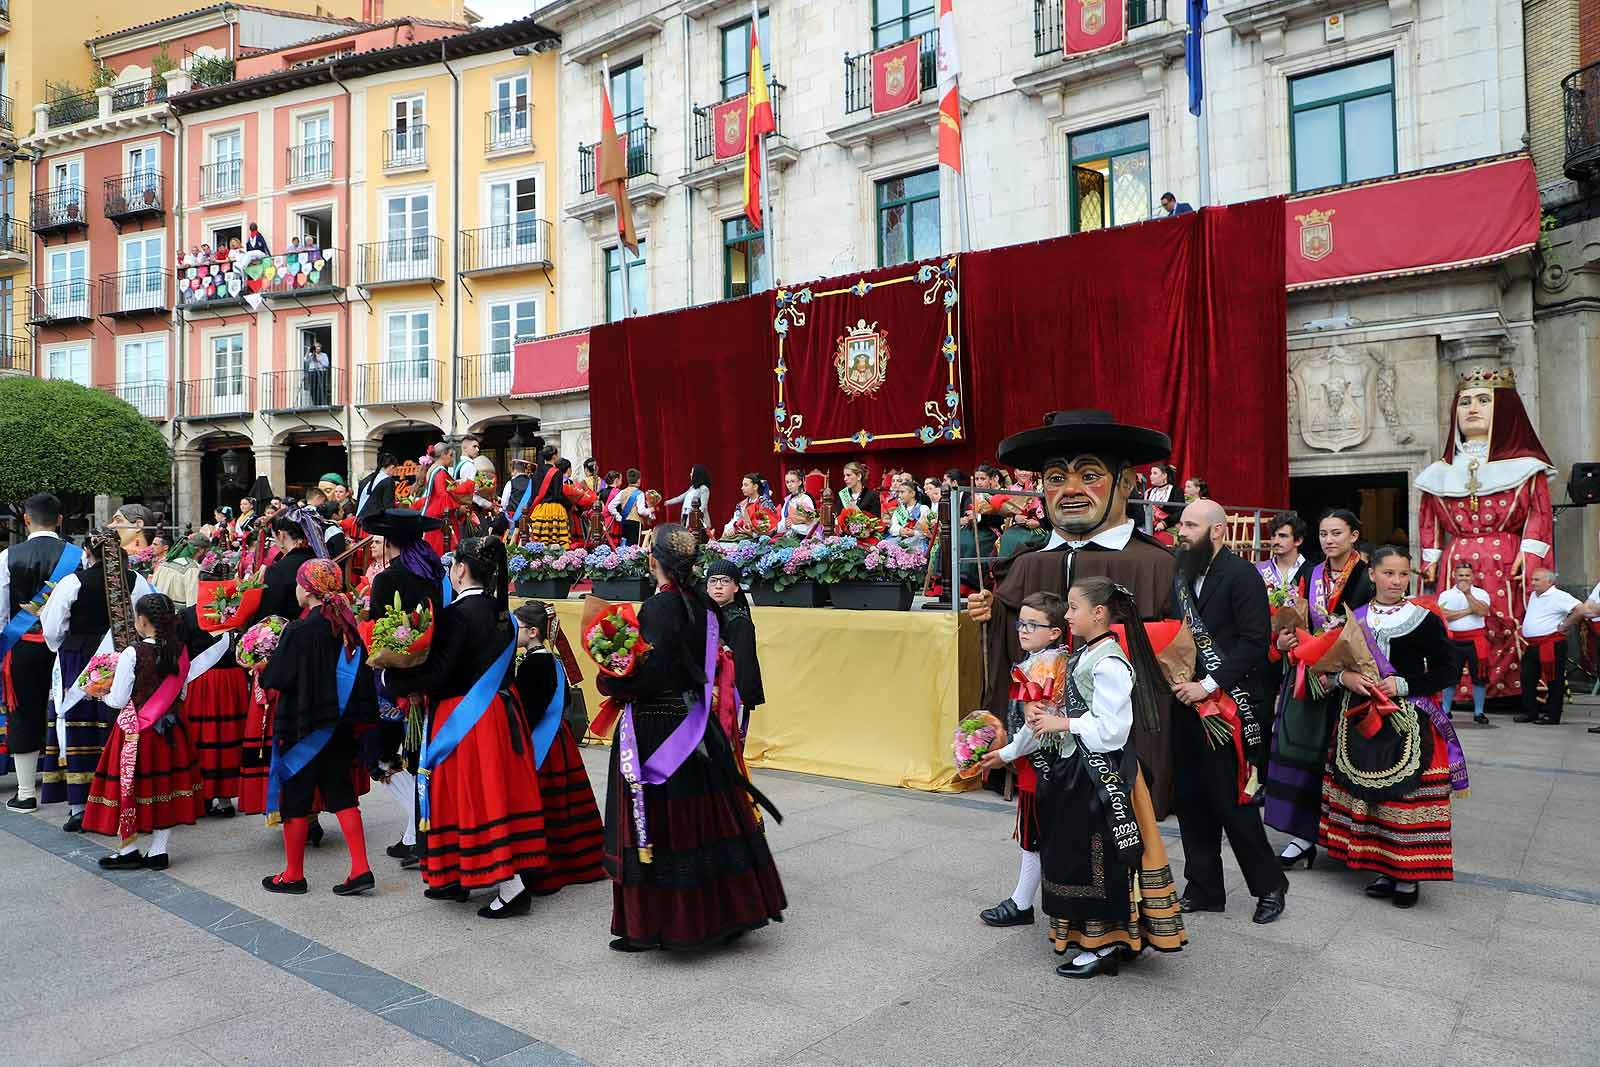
[1387,405]
[1294,407]
[1336,394]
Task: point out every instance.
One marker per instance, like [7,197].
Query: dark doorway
[307,461]
[217,489]
[1382,501]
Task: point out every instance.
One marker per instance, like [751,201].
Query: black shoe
[225,810]
[517,905]
[1524,717]
[1309,855]
[1269,907]
[1187,904]
[411,862]
[157,863]
[453,892]
[273,883]
[622,944]
[1006,913]
[399,850]
[1106,965]
[1407,898]
[359,884]
[16,804]
[1545,720]
[122,861]
[314,834]
[1380,887]
[1481,720]
[74,823]
[1594,729]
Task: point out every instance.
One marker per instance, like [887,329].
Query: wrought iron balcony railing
[284,391]
[484,376]
[151,399]
[136,292]
[229,396]
[507,128]
[524,243]
[16,354]
[410,259]
[641,156]
[135,95]
[60,209]
[402,381]
[1580,92]
[405,149]
[61,302]
[223,180]
[305,271]
[1047,26]
[705,133]
[858,72]
[143,192]
[310,162]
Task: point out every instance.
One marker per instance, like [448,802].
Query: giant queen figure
[1487,503]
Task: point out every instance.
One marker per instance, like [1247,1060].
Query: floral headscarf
[324,579]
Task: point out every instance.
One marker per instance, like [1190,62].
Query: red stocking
[295,832]
[355,838]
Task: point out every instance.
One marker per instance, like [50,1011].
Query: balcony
[715,158]
[7,108]
[142,194]
[5,16]
[222,181]
[213,287]
[150,399]
[60,210]
[136,95]
[72,108]
[310,163]
[484,377]
[304,272]
[398,382]
[405,149]
[136,292]
[216,398]
[288,392]
[510,246]
[16,245]
[60,303]
[404,262]
[16,355]
[508,129]
[641,157]
[1047,21]
[858,72]
[1581,101]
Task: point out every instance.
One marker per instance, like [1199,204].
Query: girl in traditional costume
[751,514]
[482,817]
[1395,761]
[148,780]
[214,710]
[908,523]
[573,831]
[685,850]
[1304,721]
[738,633]
[798,515]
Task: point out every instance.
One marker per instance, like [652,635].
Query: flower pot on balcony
[799,595]
[149,197]
[620,589]
[118,205]
[72,211]
[871,596]
[543,588]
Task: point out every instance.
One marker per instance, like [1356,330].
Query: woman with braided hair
[148,780]
[480,813]
[685,849]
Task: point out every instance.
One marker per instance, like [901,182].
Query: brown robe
[1146,567]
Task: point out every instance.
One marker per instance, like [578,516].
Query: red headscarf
[323,578]
[1511,434]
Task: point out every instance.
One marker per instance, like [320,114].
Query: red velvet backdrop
[1178,324]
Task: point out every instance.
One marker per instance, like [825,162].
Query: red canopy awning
[551,365]
[1427,220]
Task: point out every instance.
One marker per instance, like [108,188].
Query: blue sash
[25,620]
[463,717]
[295,760]
[522,505]
[627,505]
[449,593]
[544,731]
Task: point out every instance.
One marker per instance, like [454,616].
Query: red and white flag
[949,88]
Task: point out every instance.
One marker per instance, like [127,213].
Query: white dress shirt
[1116,538]
[1453,599]
[1546,612]
[5,577]
[57,613]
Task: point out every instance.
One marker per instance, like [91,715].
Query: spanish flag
[758,122]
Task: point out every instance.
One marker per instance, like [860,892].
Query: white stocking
[27,774]
[131,846]
[402,786]
[158,843]
[1027,881]
[508,889]
[1297,847]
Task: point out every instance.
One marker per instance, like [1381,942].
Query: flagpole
[1203,130]
[769,225]
[961,184]
[622,248]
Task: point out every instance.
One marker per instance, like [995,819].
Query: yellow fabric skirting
[869,696]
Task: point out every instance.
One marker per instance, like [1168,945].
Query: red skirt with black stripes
[574,834]
[214,710]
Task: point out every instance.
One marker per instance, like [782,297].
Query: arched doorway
[227,471]
[310,455]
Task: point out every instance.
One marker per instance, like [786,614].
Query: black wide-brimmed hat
[401,524]
[1072,433]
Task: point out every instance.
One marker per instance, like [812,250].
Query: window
[227,373]
[736,57]
[143,170]
[510,322]
[408,347]
[627,97]
[894,21]
[224,175]
[141,280]
[314,227]
[513,218]
[509,123]
[1341,125]
[8,296]
[1110,175]
[67,296]
[312,157]
[144,374]
[68,362]
[407,248]
[408,146]
[221,236]
[637,282]
[65,173]
[908,218]
[744,256]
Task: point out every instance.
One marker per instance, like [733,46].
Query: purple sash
[1436,712]
[1319,618]
[674,751]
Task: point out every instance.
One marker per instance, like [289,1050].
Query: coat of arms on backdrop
[1093,15]
[861,359]
[1316,234]
[894,76]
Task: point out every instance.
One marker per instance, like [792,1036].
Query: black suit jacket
[382,498]
[1233,607]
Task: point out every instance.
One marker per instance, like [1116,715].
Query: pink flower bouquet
[260,642]
[95,681]
[979,734]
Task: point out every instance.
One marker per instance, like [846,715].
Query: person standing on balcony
[256,242]
[317,369]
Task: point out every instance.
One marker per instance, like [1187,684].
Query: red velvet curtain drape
[1177,324]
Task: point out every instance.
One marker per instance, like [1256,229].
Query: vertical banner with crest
[869,361]
[1090,25]
[727,128]
[897,76]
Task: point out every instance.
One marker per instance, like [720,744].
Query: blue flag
[1192,58]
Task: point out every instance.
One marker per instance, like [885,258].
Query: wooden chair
[1247,536]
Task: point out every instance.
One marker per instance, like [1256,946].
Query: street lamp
[231,464]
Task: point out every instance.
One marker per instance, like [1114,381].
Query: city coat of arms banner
[897,76]
[1090,25]
[869,361]
[727,123]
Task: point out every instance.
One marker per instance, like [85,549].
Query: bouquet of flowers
[144,561]
[536,561]
[95,681]
[260,642]
[800,515]
[652,500]
[226,604]
[616,564]
[484,484]
[853,522]
[979,734]
[611,636]
[399,638]
[754,523]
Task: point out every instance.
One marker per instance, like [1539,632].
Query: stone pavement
[882,961]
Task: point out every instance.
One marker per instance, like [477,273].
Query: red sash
[1478,639]
[1547,654]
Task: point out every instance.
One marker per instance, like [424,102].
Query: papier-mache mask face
[1078,490]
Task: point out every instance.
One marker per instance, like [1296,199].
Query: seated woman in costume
[750,513]
[856,493]
[798,515]
[1388,785]
[571,817]
[1024,516]
[1196,488]
[1107,884]
[908,523]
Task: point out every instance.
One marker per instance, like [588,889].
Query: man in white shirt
[1544,660]
[473,461]
[1466,611]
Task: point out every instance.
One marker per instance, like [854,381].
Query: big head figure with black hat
[1087,464]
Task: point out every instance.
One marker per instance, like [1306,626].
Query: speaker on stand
[1583,484]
